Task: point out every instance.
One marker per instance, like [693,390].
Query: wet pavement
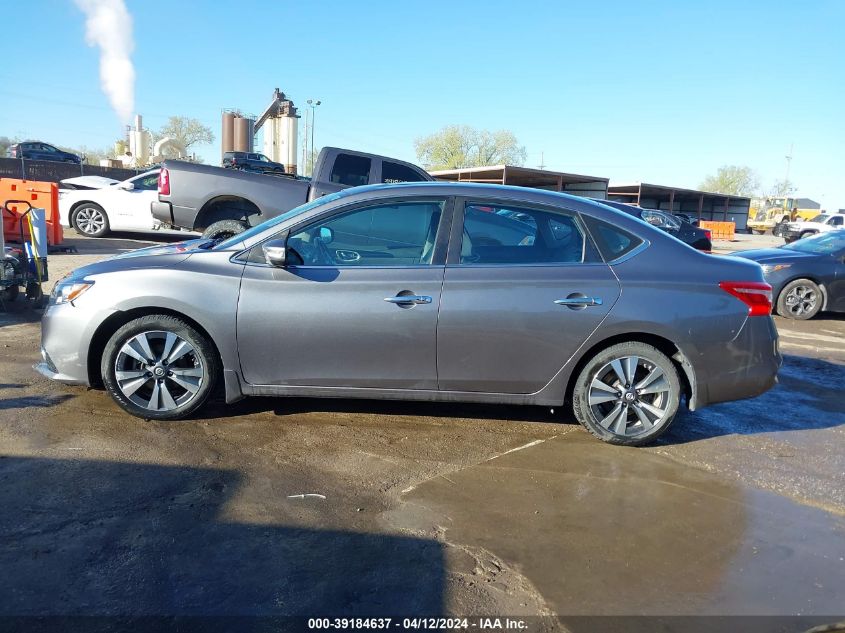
[319,507]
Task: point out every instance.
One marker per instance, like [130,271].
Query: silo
[227,135]
[241,134]
[250,138]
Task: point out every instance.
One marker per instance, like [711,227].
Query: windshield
[240,237]
[822,244]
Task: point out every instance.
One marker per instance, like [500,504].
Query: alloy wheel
[801,300]
[629,395]
[158,371]
[90,220]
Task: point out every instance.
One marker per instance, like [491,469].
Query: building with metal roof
[575,184]
[702,205]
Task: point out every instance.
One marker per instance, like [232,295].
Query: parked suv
[36,150]
[252,161]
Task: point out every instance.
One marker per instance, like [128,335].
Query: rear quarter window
[612,241]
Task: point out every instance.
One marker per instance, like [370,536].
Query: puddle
[613,531]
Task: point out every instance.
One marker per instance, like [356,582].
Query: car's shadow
[807,397]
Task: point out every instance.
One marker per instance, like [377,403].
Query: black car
[806,276]
[698,238]
[252,161]
[36,150]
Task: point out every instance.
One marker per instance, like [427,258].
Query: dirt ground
[329,507]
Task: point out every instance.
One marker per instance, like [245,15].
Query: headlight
[773,268]
[68,291]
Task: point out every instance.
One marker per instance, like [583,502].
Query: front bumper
[45,370]
[66,335]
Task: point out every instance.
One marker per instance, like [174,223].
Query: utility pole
[313,103]
[788,165]
[305,145]
[542,164]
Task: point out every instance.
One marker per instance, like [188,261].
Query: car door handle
[579,302]
[408,299]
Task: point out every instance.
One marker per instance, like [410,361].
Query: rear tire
[627,394]
[224,229]
[158,367]
[800,299]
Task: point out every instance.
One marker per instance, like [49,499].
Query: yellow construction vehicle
[771,214]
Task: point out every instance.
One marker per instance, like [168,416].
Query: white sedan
[116,206]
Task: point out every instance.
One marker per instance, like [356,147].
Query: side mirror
[275,253]
[129,186]
[326,235]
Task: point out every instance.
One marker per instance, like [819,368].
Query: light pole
[312,103]
[305,146]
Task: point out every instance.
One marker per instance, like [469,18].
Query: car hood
[150,257]
[772,255]
[90,182]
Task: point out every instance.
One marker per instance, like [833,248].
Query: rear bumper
[162,211]
[744,368]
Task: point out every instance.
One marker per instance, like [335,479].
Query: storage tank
[227,135]
[242,128]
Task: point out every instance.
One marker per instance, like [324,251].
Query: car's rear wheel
[90,220]
[223,230]
[800,299]
[627,394]
[159,367]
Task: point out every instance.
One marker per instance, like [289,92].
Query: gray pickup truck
[223,202]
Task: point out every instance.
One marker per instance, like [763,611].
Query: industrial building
[575,184]
[702,205]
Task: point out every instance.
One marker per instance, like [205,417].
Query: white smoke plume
[108,25]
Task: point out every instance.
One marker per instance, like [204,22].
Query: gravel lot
[321,507]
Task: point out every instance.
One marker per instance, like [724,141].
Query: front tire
[223,230]
[627,394]
[158,367]
[90,220]
[800,299]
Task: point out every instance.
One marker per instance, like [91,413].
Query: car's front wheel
[159,367]
[800,299]
[90,220]
[627,394]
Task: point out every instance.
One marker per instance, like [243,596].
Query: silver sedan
[424,291]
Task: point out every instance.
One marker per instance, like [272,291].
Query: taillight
[164,182]
[756,295]
[708,234]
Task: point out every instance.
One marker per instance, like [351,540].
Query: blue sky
[656,91]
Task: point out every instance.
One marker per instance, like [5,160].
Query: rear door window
[352,171]
[494,234]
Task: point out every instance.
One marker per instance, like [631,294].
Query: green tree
[734,180]
[186,131]
[457,146]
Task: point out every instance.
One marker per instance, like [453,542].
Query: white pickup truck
[819,224]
